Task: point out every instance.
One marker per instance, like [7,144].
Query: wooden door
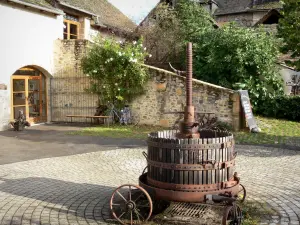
[29,95]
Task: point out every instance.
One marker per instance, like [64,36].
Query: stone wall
[67,91]
[68,55]
[165,93]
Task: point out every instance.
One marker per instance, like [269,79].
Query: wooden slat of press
[181,174]
[159,170]
[213,157]
[228,158]
[164,177]
[225,153]
[196,160]
[224,159]
[186,161]
[209,158]
[231,169]
[150,152]
[191,161]
[167,157]
[221,160]
[169,160]
[200,158]
[177,161]
[172,160]
[158,159]
[204,152]
[217,160]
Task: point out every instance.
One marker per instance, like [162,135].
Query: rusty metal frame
[181,195]
[161,144]
[209,165]
[192,187]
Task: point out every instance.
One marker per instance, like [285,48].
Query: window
[71,27]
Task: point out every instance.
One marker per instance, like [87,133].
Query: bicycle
[123,116]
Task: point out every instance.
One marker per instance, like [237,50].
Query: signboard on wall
[245,100]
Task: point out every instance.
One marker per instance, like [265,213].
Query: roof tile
[108,14]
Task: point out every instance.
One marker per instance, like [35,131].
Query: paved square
[72,189]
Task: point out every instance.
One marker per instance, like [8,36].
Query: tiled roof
[268,5]
[41,3]
[236,6]
[108,14]
[233,6]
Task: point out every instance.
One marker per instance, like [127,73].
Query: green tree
[289,30]
[115,69]
[171,27]
[239,58]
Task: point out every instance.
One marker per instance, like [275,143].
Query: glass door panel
[19,85]
[34,86]
[19,97]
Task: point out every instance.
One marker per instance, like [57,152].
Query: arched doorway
[28,93]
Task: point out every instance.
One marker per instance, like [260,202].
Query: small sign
[3,87]
[245,100]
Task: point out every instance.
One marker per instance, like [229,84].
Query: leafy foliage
[239,58]
[171,27]
[115,69]
[289,30]
[286,107]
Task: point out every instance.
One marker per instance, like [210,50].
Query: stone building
[41,49]
[245,12]
[248,12]
[43,38]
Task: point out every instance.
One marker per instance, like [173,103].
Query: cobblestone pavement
[72,189]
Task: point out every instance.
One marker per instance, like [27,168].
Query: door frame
[26,78]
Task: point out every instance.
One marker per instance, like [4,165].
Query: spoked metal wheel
[131,204]
[241,194]
[232,215]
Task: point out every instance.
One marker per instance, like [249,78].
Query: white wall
[27,38]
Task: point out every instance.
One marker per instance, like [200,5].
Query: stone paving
[72,189]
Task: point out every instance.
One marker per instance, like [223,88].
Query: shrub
[115,69]
[239,58]
[281,107]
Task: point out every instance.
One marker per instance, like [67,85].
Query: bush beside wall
[281,107]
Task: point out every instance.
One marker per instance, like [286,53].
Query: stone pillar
[236,112]
[84,29]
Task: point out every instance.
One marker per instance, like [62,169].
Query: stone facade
[165,92]
[68,55]
[67,91]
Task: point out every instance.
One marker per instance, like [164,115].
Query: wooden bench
[91,117]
